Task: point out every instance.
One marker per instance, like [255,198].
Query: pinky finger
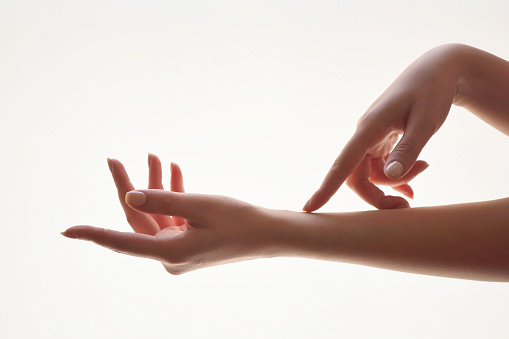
[135,244]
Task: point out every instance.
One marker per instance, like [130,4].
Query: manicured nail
[135,198]
[68,235]
[394,169]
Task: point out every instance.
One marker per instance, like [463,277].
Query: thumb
[156,201]
[403,156]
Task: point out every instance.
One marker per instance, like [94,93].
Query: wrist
[451,64]
[300,234]
[279,233]
[464,59]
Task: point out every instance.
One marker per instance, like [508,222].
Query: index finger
[189,206]
[140,222]
[348,160]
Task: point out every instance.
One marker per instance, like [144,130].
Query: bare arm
[483,87]
[186,232]
[469,241]
[415,105]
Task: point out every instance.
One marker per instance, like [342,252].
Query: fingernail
[306,205]
[109,163]
[135,198]
[150,155]
[68,235]
[394,169]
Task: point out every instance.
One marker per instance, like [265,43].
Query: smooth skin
[187,231]
[416,105]
[470,241]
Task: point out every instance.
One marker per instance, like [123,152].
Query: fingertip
[391,202]
[175,167]
[113,165]
[310,205]
[314,203]
[306,206]
[151,157]
[402,206]
[77,232]
[68,234]
[177,179]
[425,165]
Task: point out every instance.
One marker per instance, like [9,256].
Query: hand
[141,222]
[415,105]
[183,231]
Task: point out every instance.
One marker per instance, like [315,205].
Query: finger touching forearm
[469,241]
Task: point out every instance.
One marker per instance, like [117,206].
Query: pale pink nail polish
[135,198]
[394,169]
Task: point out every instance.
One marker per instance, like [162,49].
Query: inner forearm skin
[469,241]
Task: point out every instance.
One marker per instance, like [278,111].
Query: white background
[254,99]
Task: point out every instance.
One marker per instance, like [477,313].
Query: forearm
[483,87]
[469,241]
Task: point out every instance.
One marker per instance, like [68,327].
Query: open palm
[184,231]
[163,227]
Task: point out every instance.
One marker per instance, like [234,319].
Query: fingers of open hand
[155,174]
[177,185]
[192,207]
[140,222]
[155,181]
[135,244]
[359,182]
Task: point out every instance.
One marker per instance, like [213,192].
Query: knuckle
[406,150]
[117,243]
[428,124]
[167,203]
[374,119]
